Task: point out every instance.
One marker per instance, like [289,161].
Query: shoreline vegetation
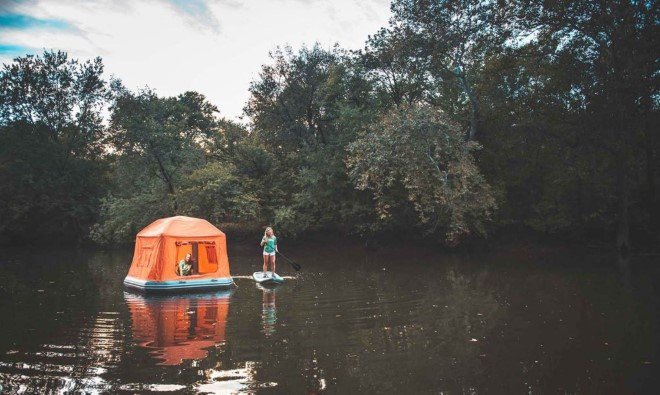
[459,124]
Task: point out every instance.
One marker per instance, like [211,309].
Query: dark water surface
[401,320]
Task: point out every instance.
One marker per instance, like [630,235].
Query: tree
[416,156]
[398,67]
[62,94]
[164,136]
[305,108]
[452,40]
[295,100]
[615,44]
[157,143]
[51,131]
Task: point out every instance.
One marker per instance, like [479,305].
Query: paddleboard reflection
[268,309]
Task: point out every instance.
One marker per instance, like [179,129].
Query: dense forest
[459,119]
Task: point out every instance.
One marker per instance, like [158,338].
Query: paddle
[294,265]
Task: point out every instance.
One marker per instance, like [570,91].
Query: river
[402,319]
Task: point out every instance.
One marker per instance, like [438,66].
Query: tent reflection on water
[180,327]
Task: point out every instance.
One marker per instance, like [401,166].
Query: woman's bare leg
[272,260]
[265,263]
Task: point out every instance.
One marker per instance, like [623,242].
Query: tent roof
[180,226]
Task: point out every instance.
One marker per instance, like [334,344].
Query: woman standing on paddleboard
[269,242]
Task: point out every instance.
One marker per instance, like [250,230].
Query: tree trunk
[474,106]
[168,181]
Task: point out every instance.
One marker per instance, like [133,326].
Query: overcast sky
[215,47]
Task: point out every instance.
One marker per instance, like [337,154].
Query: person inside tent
[185,266]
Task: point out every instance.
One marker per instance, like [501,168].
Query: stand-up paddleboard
[268,278]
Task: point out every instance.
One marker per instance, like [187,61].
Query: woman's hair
[269,228]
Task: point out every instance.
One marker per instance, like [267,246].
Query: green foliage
[165,135]
[416,155]
[50,137]
[63,95]
[572,109]
[122,216]
[297,108]
[216,192]
[171,158]
[546,110]
[296,100]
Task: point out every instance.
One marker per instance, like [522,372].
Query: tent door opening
[204,254]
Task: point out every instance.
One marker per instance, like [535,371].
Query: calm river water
[398,320]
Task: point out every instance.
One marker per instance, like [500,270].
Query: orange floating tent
[161,245]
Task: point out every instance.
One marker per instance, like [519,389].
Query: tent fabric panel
[181,226]
[223,259]
[145,257]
